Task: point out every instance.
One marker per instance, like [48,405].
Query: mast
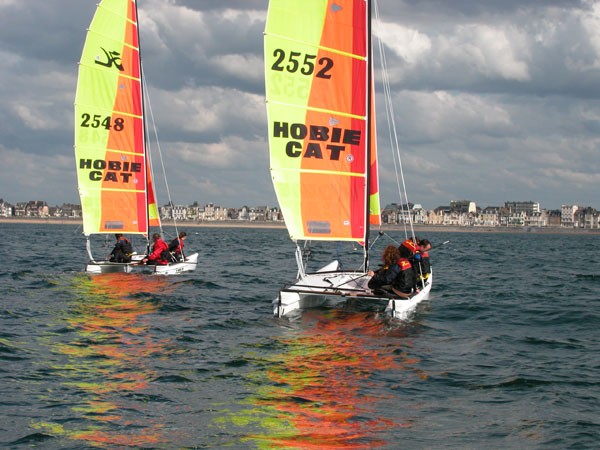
[368,128]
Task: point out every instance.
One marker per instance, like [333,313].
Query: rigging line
[389,114]
[392,121]
[376,239]
[162,163]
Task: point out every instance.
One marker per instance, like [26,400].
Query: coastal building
[244,213]
[70,210]
[585,217]
[522,207]
[6,209]
[258,213]
[389,214]
[490,216]
[567,215]
[233,214]
[463,206]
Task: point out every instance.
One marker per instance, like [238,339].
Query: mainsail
[317,82]
[112,168]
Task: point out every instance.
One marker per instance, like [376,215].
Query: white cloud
[495,52]
[242,66]
[34,117]
[408,43]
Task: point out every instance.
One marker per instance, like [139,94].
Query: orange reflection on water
[109,356]
[325,378]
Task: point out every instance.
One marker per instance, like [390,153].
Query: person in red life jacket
[405,283]
[156,256]
[381,279]
[410,245]
[122,251]
[175,250]
[422,263]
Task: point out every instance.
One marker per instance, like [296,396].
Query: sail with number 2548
[113,174]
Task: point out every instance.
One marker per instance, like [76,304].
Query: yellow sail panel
[109,132]
[316,79]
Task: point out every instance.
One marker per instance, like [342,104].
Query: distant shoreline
[281,225]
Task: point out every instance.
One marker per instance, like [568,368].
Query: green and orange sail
[113,173]
[317,94]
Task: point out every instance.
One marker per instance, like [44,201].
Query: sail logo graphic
[111,58]
[334,139]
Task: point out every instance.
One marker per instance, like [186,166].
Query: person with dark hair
[175,250]
[422,263]
[156,256]
[381,279]
[122,250]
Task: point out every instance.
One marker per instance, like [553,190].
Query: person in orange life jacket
[155,257]
[175,250]
[405,283]
[422,263]
[122,251]
[382,278]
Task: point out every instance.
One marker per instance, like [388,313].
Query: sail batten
[316,77]
[309,108]
[324,172]
[320,47]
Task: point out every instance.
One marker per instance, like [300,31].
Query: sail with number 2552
[322,146]
[113,174]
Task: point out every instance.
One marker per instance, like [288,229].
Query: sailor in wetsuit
[381,280]
[422,263]
[176,248]
[122,250]
[405,283]
[156,257]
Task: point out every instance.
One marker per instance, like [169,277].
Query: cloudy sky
[495,100]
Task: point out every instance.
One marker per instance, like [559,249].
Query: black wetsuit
[122,251]
[406,280]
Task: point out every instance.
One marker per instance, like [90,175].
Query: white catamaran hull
[402,308]
[329,288]
[108,267]
[113,267]
[188,265]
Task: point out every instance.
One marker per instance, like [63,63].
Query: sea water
[505,354]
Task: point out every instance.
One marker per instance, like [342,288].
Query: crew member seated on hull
[156,257]
[381,279]
[397,277]
[122,250]
[175,250]
[405,283]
